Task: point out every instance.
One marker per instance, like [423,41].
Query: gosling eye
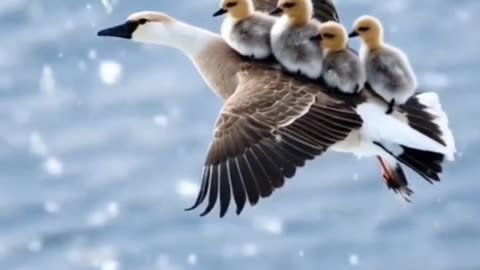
[231,4]
[328,36]
[288,5]
[363,29]
[143,21]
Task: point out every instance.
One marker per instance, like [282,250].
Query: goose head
[370,30]
[298,11]
[333,36]
[159,28]
[141,26]
[238,9]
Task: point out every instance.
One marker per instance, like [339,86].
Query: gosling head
[299,11]
[238,9]
[333,36]
[146,26]
[370,30]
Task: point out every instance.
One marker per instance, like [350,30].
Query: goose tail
[425,114]
[427,164]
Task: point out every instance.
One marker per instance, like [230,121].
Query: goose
[245,30]
[342,69]
[272,123]
[290,38]
[389,73]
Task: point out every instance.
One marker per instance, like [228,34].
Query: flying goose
[245,30]
[272,122]
[290,38]
[342,69]
[389,73]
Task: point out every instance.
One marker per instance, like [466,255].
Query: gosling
[246,30]
[291,38]
[342,70]
[389,73]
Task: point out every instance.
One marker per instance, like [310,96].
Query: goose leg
[390,106]
[357,89]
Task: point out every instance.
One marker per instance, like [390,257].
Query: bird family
[293,90]
[319,50]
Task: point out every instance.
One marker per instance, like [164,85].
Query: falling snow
[109,5]
[110,71]
[102,258]
[35,245]
[47,80]
[109,265]
[249,250]
[51,207]
[53,166]
[92,54]
[3,250]
[192,259]
[187,189]
[301,253]
[104,215]
[37,145]
[270,225]
[161,120]
[353,259]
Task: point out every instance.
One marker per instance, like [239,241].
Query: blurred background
[102,143]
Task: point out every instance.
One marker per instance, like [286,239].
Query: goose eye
[231,4]
[288,5]
[142,21]
[329,36]
[363,29]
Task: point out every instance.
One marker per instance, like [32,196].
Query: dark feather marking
[261,177]
[273,171]
[249,182]
[203,189]
[225,193]
[238,188]
[214,178]
[282,161]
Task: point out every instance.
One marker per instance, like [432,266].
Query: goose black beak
[316,38]
[220,12]
[120,31]
[276,11]
[353,34]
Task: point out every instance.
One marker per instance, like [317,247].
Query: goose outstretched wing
[268,128]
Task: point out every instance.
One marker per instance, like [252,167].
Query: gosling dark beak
[276,11]
[120,31]
[316,38]
[220,12]
[353,34]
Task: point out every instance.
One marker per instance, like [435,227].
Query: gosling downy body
[291,38]
[342,70]
[245,30]
[389,73]
[272,123]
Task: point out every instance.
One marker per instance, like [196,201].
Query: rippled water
[102,142]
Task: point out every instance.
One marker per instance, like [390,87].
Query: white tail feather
[381,127]
[432,101]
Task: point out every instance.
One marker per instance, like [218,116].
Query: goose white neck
[187,38]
